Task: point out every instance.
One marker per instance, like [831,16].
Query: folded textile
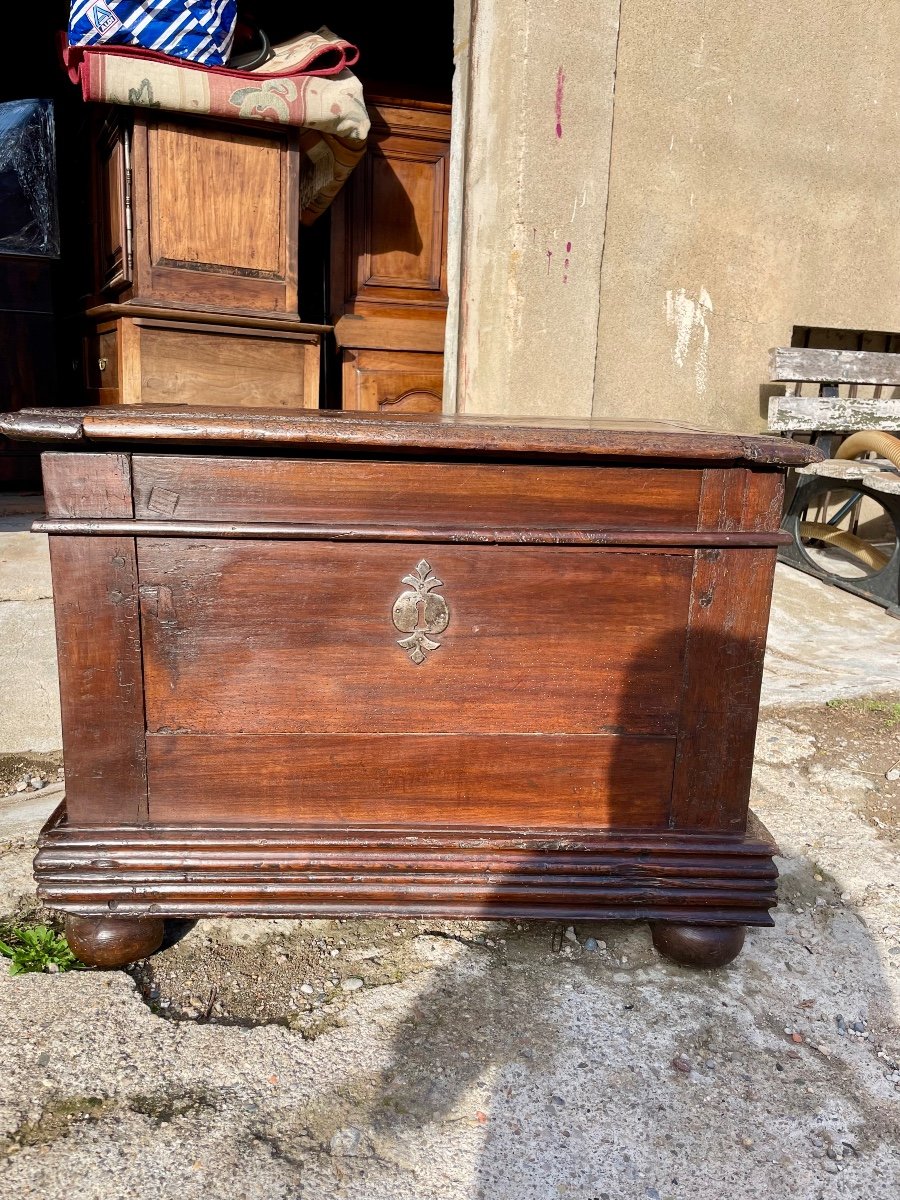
[305,83]
[326,163]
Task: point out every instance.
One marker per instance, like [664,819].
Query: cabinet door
[391,233]
[112,250]
[102,351]
[216,214]
[393,381]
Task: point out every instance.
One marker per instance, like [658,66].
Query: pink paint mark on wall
[566,263]
[560,85]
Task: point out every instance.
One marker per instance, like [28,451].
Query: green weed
[889,709]
[37,948]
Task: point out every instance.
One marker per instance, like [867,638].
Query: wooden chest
[335,663]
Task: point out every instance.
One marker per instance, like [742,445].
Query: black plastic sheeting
[29,221]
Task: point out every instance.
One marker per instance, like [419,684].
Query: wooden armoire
[193,295]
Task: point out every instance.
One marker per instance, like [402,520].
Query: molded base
[697,888]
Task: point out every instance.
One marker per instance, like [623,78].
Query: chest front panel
[289,658]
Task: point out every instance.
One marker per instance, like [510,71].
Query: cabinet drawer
[284,681]
[338,492]
[145,361]
[101,358]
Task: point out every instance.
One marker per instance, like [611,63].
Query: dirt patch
[291,972]
[302,973]
[14,767]
[56,1120]
[862,737]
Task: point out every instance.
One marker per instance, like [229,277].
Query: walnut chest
[333,663]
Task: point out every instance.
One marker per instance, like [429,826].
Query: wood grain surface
[445,494]
[469,435]
[100,678]
[799,364]
[87,485]
[243,637]
[726,641]
[538,782]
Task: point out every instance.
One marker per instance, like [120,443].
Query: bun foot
[113,941]
[698,945]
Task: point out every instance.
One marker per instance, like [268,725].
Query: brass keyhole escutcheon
[420,611]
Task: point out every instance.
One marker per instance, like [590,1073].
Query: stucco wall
[751,156]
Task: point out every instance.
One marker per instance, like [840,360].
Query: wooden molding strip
[354,331]
[278,871]
[113,527]
[274,322]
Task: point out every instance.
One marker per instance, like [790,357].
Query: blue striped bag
[200,31]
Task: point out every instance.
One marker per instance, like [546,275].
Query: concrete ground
[430,1060]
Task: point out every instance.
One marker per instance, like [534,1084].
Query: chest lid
[403,435]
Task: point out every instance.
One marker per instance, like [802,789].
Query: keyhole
[420,615]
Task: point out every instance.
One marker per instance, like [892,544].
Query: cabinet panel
[405,228]
[390,222]
[393,381]
[215,200]
[195,367]
[447,494]
[545,783]
[215,213]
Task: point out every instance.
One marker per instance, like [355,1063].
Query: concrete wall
[750,154]
[535,144]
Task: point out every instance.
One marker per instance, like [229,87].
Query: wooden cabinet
[132,359]
[508,670]
[195,265]
[389,261]
[196,214]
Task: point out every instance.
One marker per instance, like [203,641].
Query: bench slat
[841,471]
[793,364]
[837,414]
